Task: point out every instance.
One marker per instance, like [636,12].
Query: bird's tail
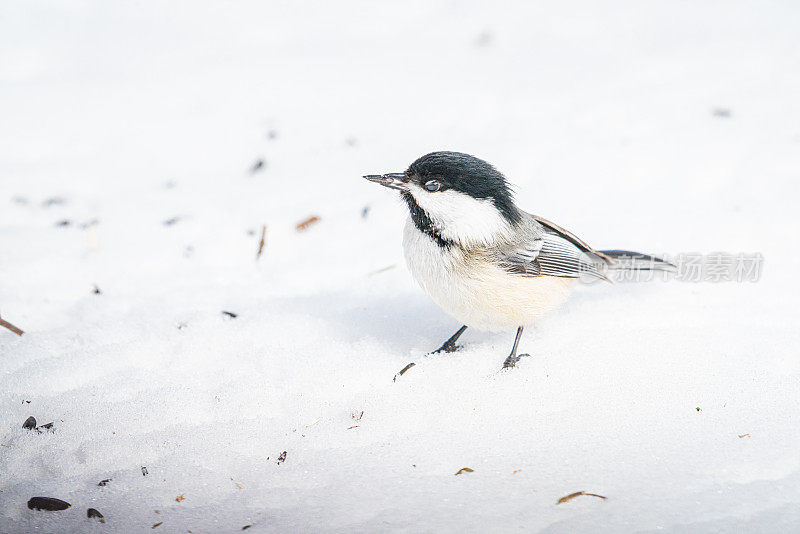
[626,260]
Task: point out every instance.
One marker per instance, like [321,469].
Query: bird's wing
[548,250]
[569,236]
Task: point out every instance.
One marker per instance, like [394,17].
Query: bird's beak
[395,180]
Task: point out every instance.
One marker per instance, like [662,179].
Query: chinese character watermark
[715,267]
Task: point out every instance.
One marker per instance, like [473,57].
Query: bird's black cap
[466,174]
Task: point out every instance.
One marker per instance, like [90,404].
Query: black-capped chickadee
[483,260]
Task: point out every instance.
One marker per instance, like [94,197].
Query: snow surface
[603,116]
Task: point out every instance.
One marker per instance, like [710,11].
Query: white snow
[602,115]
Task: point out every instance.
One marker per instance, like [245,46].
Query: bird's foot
[512,360]
[447,348]
[403,370]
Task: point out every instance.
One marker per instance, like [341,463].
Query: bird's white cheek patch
[459,217]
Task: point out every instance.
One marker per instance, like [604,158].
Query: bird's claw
[511,361]
[447,348]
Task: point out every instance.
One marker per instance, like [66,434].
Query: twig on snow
[571,496]
[11,327]
[261,243]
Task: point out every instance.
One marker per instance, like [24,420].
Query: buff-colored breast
[477,292]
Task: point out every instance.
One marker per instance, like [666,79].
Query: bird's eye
[433,185]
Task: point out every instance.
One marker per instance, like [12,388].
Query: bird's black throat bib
[424,223]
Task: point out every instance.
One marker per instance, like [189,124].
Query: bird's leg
[448,346]
[512,359]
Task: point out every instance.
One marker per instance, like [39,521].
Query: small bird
[483,260]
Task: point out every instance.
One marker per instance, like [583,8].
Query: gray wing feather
[543,251]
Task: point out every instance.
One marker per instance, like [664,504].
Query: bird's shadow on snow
[404,322]
[410,322]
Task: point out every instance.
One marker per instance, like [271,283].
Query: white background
[603,118]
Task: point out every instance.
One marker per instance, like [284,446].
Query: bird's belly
[480,294]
